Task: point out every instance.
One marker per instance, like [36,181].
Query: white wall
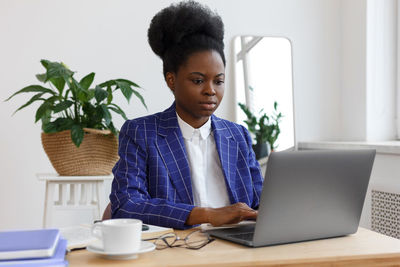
[109,38]
[381,69]
[368,66]
[353,70]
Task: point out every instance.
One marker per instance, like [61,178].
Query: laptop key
[243,236]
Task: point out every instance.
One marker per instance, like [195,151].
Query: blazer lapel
[171,148]
[227,149]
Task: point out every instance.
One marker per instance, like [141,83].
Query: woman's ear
[170,79]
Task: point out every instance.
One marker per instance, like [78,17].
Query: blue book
[28,243]
[58,259]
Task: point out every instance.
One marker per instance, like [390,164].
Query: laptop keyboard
[243,236]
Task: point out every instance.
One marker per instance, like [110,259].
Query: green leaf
[89,108]
[33,88]
[41,77]
[49,127]
[57,70]
[110,96]
[106,114]
[91,94]
[33,99]
[46,117]
[87,81]
[78,87]
[246,110]
[64,124]
[59,83]
[112,128]
[62,106]
[52,99]
[140,97]
[128,82]
[94,116]
[118,110]
[42,110]
[77,134]
[108,83]
[58,125]
[100,94]
[83,97]
[67,93]
[45,63]
[125,88]
[78,91]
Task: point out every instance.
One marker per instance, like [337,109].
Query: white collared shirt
[208,181]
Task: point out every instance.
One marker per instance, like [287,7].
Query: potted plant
[265,129]
[78,135]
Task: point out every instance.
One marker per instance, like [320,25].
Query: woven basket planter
[96,155]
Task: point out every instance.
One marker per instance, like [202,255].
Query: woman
[185,166]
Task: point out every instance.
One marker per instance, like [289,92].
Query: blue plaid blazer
[152,177]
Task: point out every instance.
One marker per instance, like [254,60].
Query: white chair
[73,193]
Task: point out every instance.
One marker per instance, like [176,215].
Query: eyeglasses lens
[165,241]
[196,240]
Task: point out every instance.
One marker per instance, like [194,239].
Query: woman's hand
[231,214]
[226,215]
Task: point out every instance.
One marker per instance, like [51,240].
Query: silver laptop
[307,195]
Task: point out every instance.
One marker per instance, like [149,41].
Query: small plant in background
[265,128]
[71,105]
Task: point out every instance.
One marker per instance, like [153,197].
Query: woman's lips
[208,105]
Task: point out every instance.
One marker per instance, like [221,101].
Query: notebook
[58,259]
[78,236]
[28,243]
[307,195]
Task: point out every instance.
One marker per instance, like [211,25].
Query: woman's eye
[219,82]
[197,81]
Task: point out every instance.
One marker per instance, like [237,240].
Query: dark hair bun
[172,25]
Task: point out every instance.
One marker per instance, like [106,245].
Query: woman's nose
[209,89]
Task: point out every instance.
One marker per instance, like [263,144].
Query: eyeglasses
[194,240]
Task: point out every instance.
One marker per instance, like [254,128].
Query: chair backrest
[107,212]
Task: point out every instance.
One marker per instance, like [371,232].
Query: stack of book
[43,247]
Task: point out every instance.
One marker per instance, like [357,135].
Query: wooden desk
[365,248]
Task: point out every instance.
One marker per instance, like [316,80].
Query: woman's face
[198,87]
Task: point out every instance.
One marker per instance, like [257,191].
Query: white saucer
[97,248]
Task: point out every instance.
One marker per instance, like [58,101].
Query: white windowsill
[382,147]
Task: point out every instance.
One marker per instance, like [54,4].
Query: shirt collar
[188,131]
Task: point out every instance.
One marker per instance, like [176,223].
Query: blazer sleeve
[129,196]
[255,171]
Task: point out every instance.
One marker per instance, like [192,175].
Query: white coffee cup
[119,235]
